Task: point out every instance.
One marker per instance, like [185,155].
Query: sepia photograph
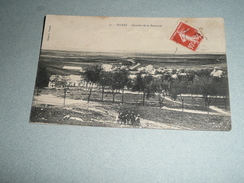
[128,72]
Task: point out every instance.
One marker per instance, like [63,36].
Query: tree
[91,75]
[42,77]
[105,79]
[123,81]
[177,88]
[118,81]
[160,87]
[61,81]
[206,86]
[138,83]
[221,86]
[147,84]
[143,84]
[191,75]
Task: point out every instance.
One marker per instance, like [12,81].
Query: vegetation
[193,82]
[92,75]
[42,77]
[145,93]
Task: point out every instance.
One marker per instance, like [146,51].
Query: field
[194,103]
[55,60]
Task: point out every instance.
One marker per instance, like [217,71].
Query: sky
[129,34]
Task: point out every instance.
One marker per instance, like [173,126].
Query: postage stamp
[187,36]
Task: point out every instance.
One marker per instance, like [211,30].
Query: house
[134,66]
[149,68]
[141,69]
[107,67]
[132,76]
[174,76]
[182,74]
[217,72]
[74,80]
[158,76]
[59,81]
[73,68]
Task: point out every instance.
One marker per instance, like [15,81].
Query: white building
[107,67]
[58,81]
[217,72]
[73,68]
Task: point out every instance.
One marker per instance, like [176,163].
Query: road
[97,107]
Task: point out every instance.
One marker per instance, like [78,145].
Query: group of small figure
[129,118]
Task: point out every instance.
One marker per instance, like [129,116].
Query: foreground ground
[50,109]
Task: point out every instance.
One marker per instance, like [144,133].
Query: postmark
[187,36]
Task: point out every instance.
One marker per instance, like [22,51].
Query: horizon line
[123,52]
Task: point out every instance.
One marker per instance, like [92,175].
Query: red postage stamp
[187,36]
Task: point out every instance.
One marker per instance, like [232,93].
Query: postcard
[129,72]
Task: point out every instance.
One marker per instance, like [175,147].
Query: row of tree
[115,80]
[193,82]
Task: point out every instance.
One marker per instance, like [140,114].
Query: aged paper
[162,73]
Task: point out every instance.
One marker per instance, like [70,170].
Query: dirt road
[108,116]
